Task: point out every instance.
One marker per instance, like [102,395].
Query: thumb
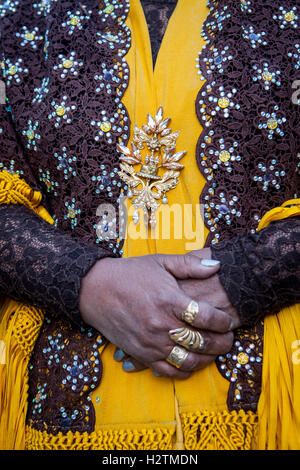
[189,266]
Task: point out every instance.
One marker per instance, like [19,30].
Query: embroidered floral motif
[76,20]
[32,135]
[68,65]
[61,111]
[72,212]
[8,6]
[41,91]
[50,185]
[29,37]
[14,71]
[66,164]
[287,17]
[43,7]
[267,75]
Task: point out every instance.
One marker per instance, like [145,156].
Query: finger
[188,361]
[189,266]
[211,343]
[132,365]
[163,369]
[195,362]
[207,317]
[119,355]
[185,361]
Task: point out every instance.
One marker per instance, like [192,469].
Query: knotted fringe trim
[201,430]
[22,324]
[235,430]
[112,439]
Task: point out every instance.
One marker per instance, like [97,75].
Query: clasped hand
[135,302]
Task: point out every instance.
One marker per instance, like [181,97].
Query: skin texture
[134,302]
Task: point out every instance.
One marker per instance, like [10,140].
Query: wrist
[93,289]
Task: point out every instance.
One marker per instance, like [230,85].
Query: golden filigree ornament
[146,186]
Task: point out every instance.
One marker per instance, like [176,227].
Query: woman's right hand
[134,302]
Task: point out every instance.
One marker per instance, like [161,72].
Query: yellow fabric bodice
[174,84]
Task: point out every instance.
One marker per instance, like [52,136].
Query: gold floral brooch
[146,186]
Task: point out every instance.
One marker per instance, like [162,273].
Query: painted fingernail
[209,262]
[119,355]
[156,374]
[128,366]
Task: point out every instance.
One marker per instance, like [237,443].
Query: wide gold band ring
[190,339]
[177,356]
[190,313]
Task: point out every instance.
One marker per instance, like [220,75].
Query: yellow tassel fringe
[235,430]
[112,439]
[202,431]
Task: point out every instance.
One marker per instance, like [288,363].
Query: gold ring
[187,338]
[190,312]
[177,356]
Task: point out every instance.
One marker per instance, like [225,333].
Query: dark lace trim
[157,15]
[242,367]
[261,272]
[65,369]
[248,148]
[41,265]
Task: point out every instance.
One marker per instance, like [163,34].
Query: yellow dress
[141,411]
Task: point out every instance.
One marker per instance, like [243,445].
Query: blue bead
[108,77]
[74,371]
[106,180]
[224,209]
[268,177]
[218,59]
[66,422]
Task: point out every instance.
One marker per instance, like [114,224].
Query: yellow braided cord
[112,439]
[19,328]
[220,430]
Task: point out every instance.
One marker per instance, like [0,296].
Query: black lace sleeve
[261,272]
[41,265]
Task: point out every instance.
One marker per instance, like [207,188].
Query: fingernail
[119,355]
[128,366]
[209,262]
[156,374]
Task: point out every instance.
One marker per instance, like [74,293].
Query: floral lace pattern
[248,148]
[69,57]
[64,371]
